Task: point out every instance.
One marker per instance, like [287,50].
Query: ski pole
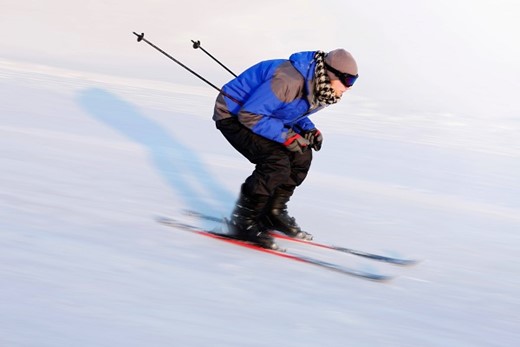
[140,37]
[196,44]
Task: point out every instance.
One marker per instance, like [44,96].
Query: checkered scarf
[323,93]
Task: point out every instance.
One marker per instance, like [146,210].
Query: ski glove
[295,142]
[315,138]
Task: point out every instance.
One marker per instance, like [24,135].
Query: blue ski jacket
[272,97]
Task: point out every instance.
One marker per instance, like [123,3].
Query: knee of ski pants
[278,169]
[300,165]
[283,168]
[268,175]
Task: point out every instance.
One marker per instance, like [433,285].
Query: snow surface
[100,134]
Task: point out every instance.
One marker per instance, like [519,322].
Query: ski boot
[277,218]
[244,224]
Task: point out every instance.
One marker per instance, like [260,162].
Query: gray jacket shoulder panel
[287,83]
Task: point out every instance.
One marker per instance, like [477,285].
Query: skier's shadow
[178,164]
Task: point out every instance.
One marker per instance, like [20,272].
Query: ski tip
[383,278]
[371,276]
[402,261]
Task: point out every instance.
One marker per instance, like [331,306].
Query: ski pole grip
[139,37]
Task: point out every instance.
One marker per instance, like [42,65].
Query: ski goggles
[347,79]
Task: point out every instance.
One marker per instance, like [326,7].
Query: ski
[280,253]
[372,256]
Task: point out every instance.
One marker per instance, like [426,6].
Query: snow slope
[90,153]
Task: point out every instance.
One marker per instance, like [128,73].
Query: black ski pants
[276,167]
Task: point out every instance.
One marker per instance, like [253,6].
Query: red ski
[372,256]
[280,253]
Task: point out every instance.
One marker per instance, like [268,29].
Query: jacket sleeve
[258,112]
[304,124]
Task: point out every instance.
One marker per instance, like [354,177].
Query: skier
[264,114]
